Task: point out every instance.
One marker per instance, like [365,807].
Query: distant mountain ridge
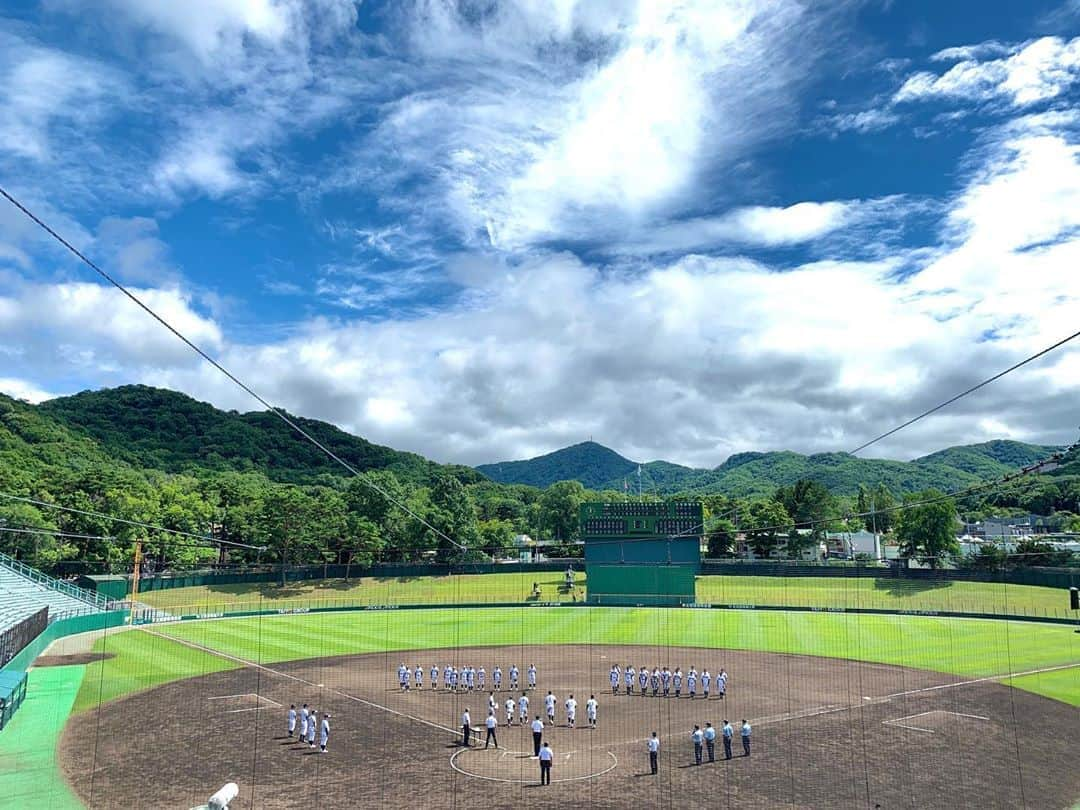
[748,474]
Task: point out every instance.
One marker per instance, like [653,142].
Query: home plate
[503,765]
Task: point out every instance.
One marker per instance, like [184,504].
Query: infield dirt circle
[826,733]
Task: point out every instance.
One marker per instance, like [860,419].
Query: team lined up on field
[465,679]
[662,681]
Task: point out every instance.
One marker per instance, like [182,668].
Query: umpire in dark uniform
[466,728]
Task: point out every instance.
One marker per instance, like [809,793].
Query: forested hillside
[162,458]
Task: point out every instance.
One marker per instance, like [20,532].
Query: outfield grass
[140,661]
[1062,684]
[846,592]
[965,647]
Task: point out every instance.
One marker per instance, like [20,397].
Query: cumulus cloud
[23,389]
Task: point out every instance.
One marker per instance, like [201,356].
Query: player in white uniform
[496,678]
[454,679]
[691,683]
[434,676]
[590,710]
[481,678]
[549,704]
[676,681]
[403,677]
[470,677]
[531,674]
[571,711]
[447,671]
[418,676]
[304,714]
[313,726]
[513,676]
[292,720]
[643,680]
[509,711]
[613,676]
[491,703]
[628,675]
[706,682]
[523,709]
[324,736]
[721,683]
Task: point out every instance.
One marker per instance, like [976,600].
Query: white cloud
[44,90]
[1033,72]
[545,122]
[22,389]
[757,226]
[864,121]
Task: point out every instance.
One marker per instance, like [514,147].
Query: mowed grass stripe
[967,647]
[1062,684]
[882,592]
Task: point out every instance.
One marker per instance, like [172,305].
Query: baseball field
[847,710]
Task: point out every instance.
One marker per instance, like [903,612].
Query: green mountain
[165,430]
[751,474]
[588,462]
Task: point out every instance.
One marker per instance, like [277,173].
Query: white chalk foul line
[298,679]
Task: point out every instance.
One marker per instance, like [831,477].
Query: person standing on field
[546,756]
[710,741]
[304,714]
[509,712]
[628,677]
[728,732]
[698,738]
[523,709]
[538,733]
[590,711]
[654,753]
[466,728]
[491,723]
[313,726]
[745,732]
[292,720]
[324,733]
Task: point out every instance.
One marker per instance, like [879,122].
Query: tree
[988,557]
[720,538]
[284,524]
[876,504]
[765,521]
[1030,551]
[559,509]
[496,535]
[453,515]
[926,528]
[809,505]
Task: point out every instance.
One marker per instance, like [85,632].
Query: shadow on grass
[910,587]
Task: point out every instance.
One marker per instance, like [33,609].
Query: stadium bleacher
[25,590]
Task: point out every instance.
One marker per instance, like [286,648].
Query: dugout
[12,694]
[641,553]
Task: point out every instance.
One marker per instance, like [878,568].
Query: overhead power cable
[125,521]
[963,394]
[55,533]
[228,374]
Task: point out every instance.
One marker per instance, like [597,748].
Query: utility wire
[55,533]
[126,522]
[228,374]
[963,394]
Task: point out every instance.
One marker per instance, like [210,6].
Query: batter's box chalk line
[911,721]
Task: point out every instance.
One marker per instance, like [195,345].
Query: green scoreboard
[641,553]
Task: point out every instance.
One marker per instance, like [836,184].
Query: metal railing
[96,600]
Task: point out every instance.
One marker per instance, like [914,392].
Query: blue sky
[484,230]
